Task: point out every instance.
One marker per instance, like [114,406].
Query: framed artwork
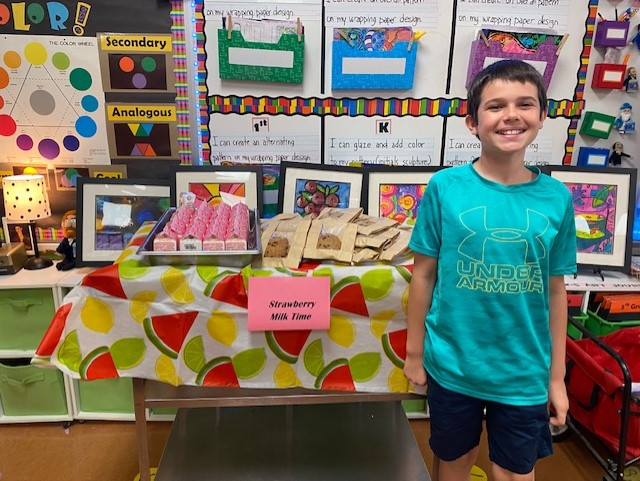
[16,232]
[110,211]
[396,192]
[308,188]
[214,184]
[603,203]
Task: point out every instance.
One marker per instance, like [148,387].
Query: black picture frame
[96,248]
[591,245]
[335,177]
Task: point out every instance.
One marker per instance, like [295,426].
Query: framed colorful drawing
[308,188]
[110,211]
[603,202]
[216,183]
[396,192]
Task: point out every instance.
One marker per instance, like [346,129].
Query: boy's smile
[508,119]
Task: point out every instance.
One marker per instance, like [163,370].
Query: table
[186,326]
[340,442]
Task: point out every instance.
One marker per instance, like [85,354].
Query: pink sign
[289,303]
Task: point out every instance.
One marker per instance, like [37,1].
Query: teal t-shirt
[487,331]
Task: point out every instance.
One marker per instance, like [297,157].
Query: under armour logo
[475,221]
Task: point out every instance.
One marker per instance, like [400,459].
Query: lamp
[25,199]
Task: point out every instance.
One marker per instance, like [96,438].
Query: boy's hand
[414,370]
[558,403]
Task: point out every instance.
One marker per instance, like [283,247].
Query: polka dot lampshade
[25,197]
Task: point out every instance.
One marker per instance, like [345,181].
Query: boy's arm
[558,401]
[420,293]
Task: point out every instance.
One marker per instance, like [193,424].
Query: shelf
[370,440]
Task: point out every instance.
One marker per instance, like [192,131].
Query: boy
[487,304]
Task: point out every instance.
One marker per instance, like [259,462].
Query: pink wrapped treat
[238,229]
[163,242]
[204,212]
[190,243]
[212,244]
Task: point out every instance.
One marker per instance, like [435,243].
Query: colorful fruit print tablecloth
[188,325]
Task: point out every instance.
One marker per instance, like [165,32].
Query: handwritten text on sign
[288,303]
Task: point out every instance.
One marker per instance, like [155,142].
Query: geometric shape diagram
[597,124]
[53,80]
[67,176]
[157,139]
[138,71]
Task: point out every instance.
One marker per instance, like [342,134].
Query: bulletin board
[54,97]
[419,125]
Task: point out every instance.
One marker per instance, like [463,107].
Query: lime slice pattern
[365,366]
[376,283]
[193,354]
[313,357]
[97,315]
[132,269]
[128,352]
[342,331]
[324,272]
[206,273]
[249,363]
[69,353]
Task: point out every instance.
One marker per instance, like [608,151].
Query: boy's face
[509,117]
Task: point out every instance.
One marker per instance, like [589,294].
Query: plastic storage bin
[105,396]
[31,391]
[26,315]
[601,327]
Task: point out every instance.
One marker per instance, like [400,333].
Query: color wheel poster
[51,100]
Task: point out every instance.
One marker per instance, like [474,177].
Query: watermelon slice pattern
[168,332]
[347,296]
[287,345]
[54,332]
[218,372]
[98,364]
[394,345]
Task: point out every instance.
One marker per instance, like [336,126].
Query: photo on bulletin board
[396,192]
[603,203]
[40,169]
[142,131]
[308,188]
[110,211]
[216,183]
[132,62]
[16,232]
[66,176]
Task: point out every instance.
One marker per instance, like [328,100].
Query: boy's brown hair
[510,71]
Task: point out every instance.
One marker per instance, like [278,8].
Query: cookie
[329,241]
[277,247]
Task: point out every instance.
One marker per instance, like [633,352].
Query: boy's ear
[471,125]
[543,114]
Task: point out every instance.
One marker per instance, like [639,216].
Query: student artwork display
[373,58]
[309,188]
[261,50]
[603,201]
[215,184]
[539,49]
[396,192]
[110,211]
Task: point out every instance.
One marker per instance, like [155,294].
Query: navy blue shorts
[518,435]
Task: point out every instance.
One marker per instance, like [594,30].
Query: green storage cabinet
[31,391]
[105,396]
[25,315]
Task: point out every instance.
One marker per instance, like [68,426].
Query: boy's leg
[518,437]
[456,425]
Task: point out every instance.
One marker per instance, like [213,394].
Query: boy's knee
[502,474]
[464,462]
